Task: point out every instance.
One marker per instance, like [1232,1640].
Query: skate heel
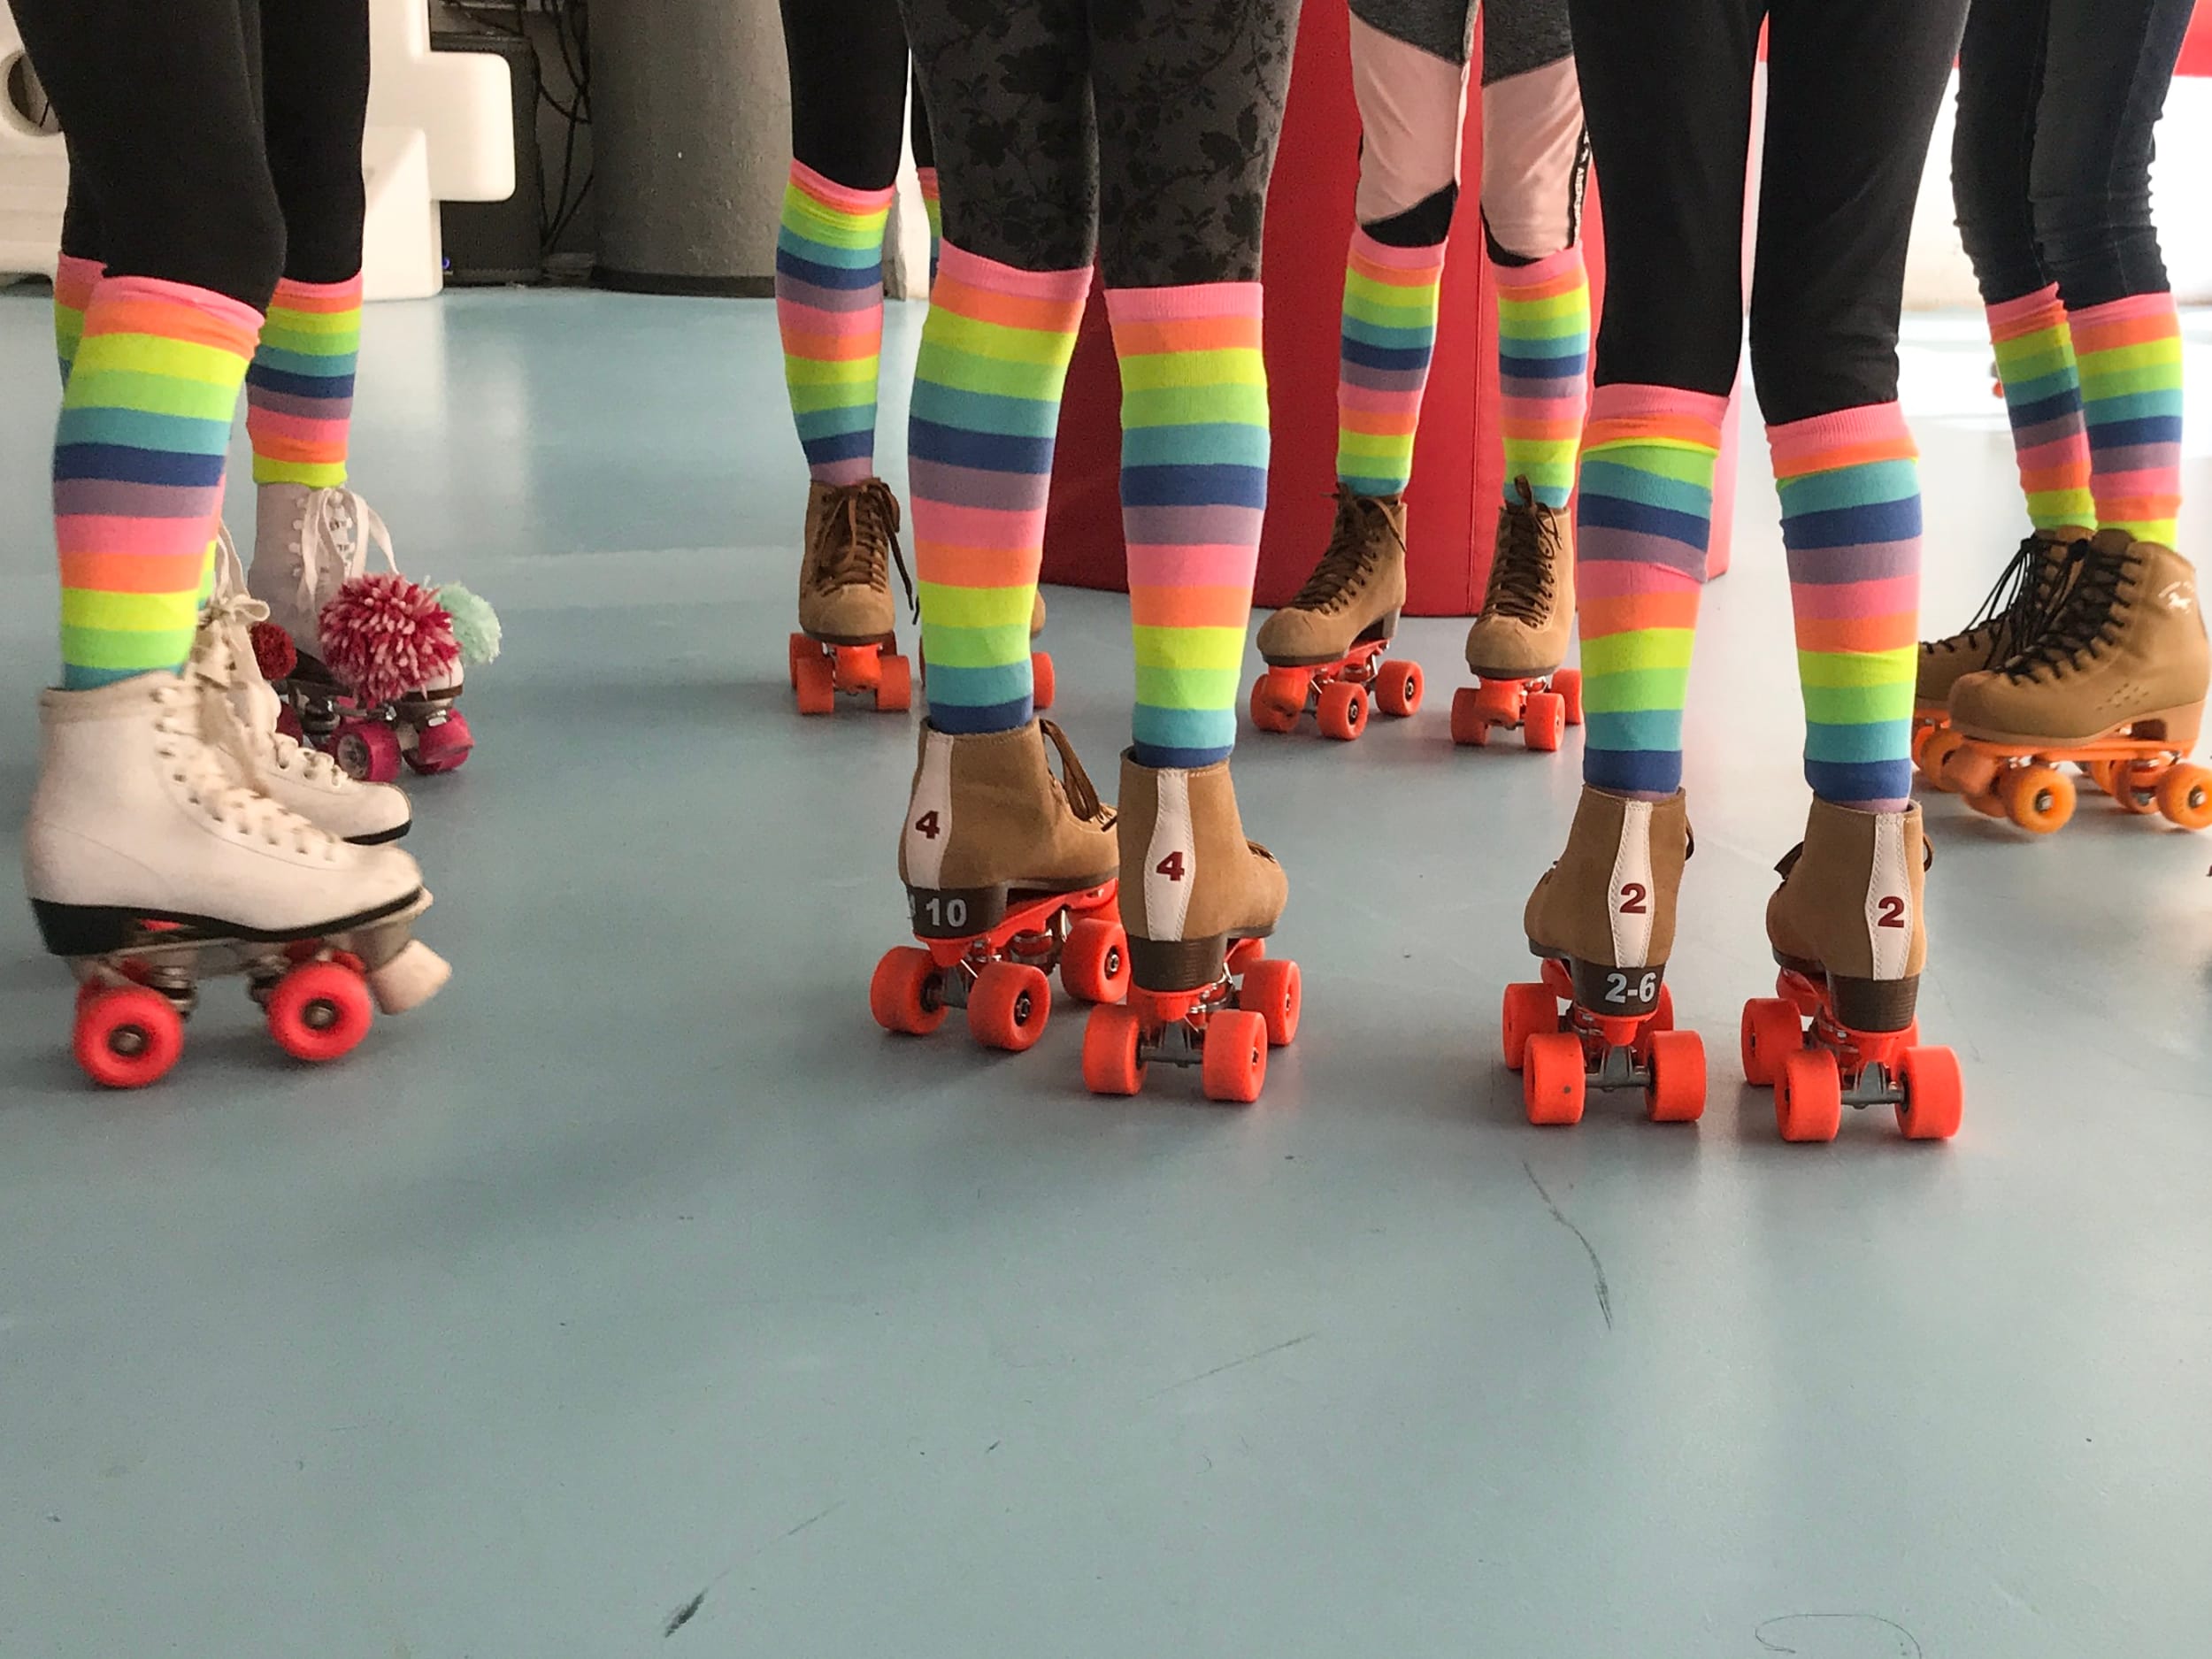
[1616,1035]
[1177,964]
[86,929]
[955,912]
[1873,1005]
[2172,728]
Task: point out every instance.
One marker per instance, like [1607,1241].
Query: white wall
[1937,275]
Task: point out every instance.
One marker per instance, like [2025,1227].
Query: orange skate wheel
[817,684]
[1772,1031]
[2100,774]
[1043,682]
[1809,1096]
[1544,721]
[2037,798]
[1094,962]
[1469,728]
[1235,1065]
[1553,1079]
[894,685]
[801,647]
[1244,952]
[902,994]
[1531,1011]
[1343,711]
[1987,805]
[1935,1094]
[1935,758]
[1568,683]
[127,1036]
[1676,1095]
[1007,1006]
[319,1011]
[2133,787]
[1398,688]
[1110,1062]
[1272,990]
[1270,711]
[2184,796]
[1971,770]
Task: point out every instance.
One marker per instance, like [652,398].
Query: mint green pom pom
[475,625]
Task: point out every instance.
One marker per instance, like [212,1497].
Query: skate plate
[1225,1029]
[2027,783]
[1002,976]
[1563,1056]
[1817,1065]
[1541,709]
[1338,694]
[319,992]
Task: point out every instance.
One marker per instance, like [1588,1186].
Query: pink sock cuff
[75,280]
[1198,299]
[1848,437]
[1626,400]
[2029,314]
[957,265]
[843,197]
[232,325]
[319,297]
[1428,258]
[1550,268]
[2132,308]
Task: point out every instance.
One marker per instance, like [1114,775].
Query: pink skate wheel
[319,1011]
[365,750]
[127,1037]
[445,746]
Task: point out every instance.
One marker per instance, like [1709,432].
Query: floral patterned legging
[1137,132]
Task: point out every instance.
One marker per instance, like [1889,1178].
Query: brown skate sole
[1383,628]
[2175,728]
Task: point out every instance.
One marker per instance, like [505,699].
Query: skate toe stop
[410,978]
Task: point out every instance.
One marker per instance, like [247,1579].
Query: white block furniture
[440,129]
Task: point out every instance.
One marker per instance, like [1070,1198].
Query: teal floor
[640,1276]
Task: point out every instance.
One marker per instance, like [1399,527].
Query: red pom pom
[273,651]
[384,636]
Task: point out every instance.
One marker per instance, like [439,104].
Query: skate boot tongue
[1353,547]
[2091,615]
[1520,572]
[868,515]
[1075,783]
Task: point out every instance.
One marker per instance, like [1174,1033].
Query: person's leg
[1852,94]
[1535,161]
[2001,64]
[1410,76]
[848,72]
[1671,150]
[140,809]
[1020,228]
[160,120]
[1190,101]
[299,392]
[2108,69]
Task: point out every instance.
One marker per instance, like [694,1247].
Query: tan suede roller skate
[1010,872]
[1602,920]
[1198,899]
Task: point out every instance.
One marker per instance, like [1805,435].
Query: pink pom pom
[273,651]
[384,636]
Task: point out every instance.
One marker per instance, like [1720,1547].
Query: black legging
[2051,160]
[1156,118]
[209,144]
[1853,89]
[849,85]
